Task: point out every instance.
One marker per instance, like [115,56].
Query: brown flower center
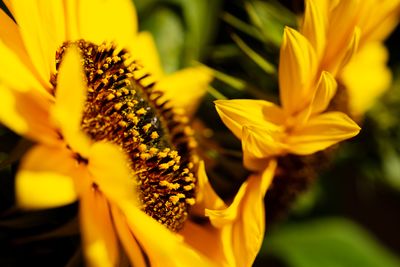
[121,109]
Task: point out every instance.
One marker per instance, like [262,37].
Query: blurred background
[349,216]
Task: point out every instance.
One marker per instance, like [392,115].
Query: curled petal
[242,224]
[260,143]
[240,112]
[206,198]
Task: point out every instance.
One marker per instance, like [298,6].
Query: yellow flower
[68,84]
[301,126]
[347,36]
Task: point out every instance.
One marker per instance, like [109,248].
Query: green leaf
[331,242]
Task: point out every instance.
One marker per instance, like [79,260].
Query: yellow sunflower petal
[260,143]
[366,77]
[351,50]
[206,239]
[342,23]
[98,235]
[243,223]
[186,87]
[45,179]
[314,26]
[297,67]
[71,20]
[159,243]
[70,99]
[107,20]
[326,89]
[27,113]
[16,74]
[378,23]
[11,36]
[206,198]
[53,18]
[144,49]
[131,246]
[239,112]
[110,170]
[321,132]
[35,34]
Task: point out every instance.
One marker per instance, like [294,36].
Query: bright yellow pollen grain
[130,116]
[188,187]
[175,168]
[163,166]
[154,135]
[135,133]
[162,154]
[173,186]
[189,179]
[122,123]
[164,183]
[153,150]
[141,111]
[180,195]
[190,201]
[118,106]
[110,96]
[119,94]
[146,127]
[142,147]
[145,156]
[174,199]
[173,154]
[99,72]
[125,91]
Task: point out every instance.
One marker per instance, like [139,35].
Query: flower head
[301,126]
[104,135]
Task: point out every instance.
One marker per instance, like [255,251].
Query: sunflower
[335,28]
[302,125]
[104,135]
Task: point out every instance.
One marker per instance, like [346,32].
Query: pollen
[123,107]
[154,135]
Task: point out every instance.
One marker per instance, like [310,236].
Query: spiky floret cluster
[121,109]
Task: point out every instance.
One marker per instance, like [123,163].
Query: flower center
[121,109]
